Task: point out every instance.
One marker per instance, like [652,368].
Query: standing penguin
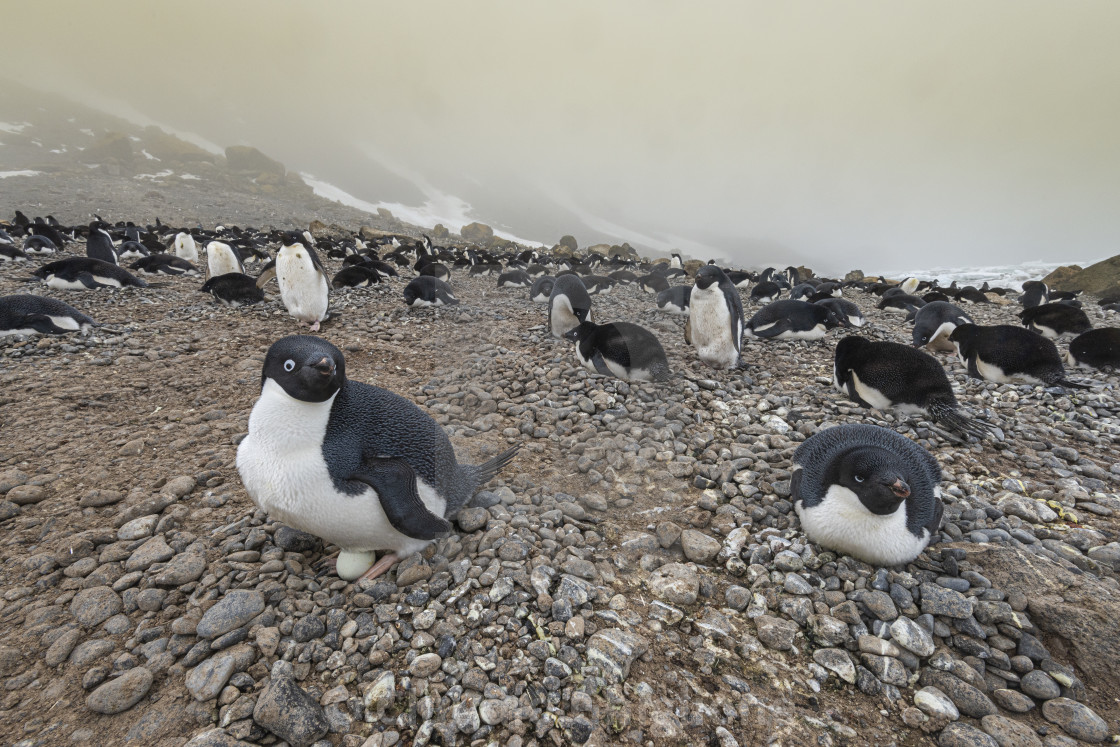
[355,464]
[1035,293]
[623,350]
[868,492]
[1006,354]
[887,375]
[304,286]
[569,304]
[99,244]
[934,322]
[715,318]
[222,259]
[185,248]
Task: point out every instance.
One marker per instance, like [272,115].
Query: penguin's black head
[963,335]
[708,275]
[875,475]
[291,238]
[580,331]
[308,368]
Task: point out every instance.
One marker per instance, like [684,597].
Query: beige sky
[872,134]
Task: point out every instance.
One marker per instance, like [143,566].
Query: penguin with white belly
[304,285]
[868,492]
[715,321]
[355,464]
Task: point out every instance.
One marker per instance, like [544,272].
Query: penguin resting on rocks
[623,350]
[867,492]
[355,464]
[1006,354]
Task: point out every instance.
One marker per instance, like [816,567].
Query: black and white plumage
[514,279]
[355,464]
[185,247]
[597,285]
[1052,320]
[867,492]
[234,289]
[765,292]
[164,264]
[99,244]
[675,299]
[10,253]
[620,349]
[715,318]
[437,270]
[81,273]
[1035,293]
[934,322]
[791,320]
[304,287]
[842,308]
[222,259]
[24,314]
[425,290]
[36,244]
[1006,354]
[541,289]
[569,304]
[653,283]
[1097,348]
[900,303]
[889,375]
[355,276]
[132,250]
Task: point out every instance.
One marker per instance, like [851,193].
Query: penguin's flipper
[600,364]
[395,483]
[795,485]
[42,323]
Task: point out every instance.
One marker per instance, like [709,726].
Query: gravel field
[637,575]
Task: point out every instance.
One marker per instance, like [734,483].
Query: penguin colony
[858,489]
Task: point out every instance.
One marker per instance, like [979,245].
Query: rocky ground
[636,575]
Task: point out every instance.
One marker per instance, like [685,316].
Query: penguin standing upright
[868,492]
[222,259]
[1035,293]
[185,248]
[99,244]
[1006,354]
[304,286]
[715,318]
[621,349]
[887,375]
[355,464]
[569,304]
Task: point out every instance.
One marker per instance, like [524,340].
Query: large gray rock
[94,606]
[958,734]
[776,633]
[1076,719]
[235,609]
[676,583]
[121,693]
[613,651]
[1010,733]
[288,712]
[968,699]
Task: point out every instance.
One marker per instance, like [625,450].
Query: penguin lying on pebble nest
[355,464]
[867,492]
[1006,354]
[623,350]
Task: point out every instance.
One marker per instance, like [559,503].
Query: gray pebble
[94,606]
[121,693]
[235,609]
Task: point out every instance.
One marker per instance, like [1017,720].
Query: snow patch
[24,172]
[14,127]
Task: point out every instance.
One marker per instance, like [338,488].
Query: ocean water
[1006,276]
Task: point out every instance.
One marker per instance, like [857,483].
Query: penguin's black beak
[325,366]
[900,489]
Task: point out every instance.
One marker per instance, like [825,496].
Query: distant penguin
[25,314]
[620,349]
[909,285]
[623,277]
[9,253]
[233,289]
[1035,293]
[222,259]
[1097,348]
[597,285]
[791,320]
[81,273]
[867,492]
[715,318]
[541,289]
[842,308]
[738,278]
[185,248]
[765,292]
[568,305]
[39,245]
[536,270]
[355,276]
[355,464]
[437,270]
[653,283]
[675,299]
[971,294]
[164,264]
[1052,320]
[900,303]
[675,262]
[132,250]
[889,375]
[304,287]
[425,290]
[934,322]
[802,292]
[514,279]
[1006,354]
[99,244]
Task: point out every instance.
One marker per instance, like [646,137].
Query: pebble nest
[637,575]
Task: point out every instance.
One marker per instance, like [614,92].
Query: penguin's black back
[1015,350]
[1097,348]
[234,287]
[903,374]
[1059,317]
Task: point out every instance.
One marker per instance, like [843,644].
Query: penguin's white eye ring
[857,478]
[289,365]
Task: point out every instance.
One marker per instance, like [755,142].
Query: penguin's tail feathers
[486,471]
[948,415]
[1070,384]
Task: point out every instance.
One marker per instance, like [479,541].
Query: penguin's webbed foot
[314,327]
[386,562]
[326,565]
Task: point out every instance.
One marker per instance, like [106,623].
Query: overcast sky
[872,134]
